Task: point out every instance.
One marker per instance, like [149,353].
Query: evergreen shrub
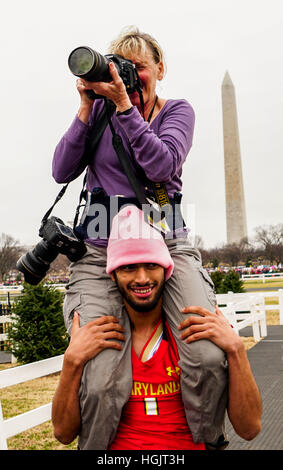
[38,331]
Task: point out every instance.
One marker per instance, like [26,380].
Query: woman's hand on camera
[82,89]
[86,102]
[90,339]
[114,90]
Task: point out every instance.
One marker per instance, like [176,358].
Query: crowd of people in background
[13,279]
[242,270]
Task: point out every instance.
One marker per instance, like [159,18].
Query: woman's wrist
[126,112]
[123,105]
[84,112]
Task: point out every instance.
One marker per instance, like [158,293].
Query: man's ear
[112,275]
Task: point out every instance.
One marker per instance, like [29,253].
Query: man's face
[141,285]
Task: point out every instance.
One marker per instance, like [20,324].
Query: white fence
[19,288]
[242,311]
[263,277]
[276,296]
[12,426]
[4,321]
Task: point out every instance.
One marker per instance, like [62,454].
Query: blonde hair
[132,41]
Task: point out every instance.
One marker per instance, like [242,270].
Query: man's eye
[127,267]
[152,265]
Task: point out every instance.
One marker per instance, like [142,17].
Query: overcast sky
[201,39]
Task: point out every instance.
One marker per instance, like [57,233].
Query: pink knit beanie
[133,241]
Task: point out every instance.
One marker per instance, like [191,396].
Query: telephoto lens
[35,264]
[88,64]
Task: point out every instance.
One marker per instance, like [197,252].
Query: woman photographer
[160,136]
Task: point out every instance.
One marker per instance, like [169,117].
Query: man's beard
[139,306]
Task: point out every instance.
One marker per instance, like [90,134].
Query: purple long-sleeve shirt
[159,148]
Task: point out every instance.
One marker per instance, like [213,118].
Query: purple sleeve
[69,151]
[66,164]
[161,155]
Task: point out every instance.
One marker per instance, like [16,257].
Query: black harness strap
[59,196]
[93,139]
[95,135]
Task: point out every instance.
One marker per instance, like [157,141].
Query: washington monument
[236,222]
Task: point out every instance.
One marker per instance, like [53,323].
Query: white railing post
[280,297]
[3,440]
[13,359]
[260,311]
[255,324]
[230,294]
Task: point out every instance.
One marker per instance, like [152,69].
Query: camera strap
[160,191]
[95,135]
[59,196]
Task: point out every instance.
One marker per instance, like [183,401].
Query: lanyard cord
[153,107]
[139,90]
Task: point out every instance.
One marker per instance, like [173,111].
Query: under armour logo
[171,371]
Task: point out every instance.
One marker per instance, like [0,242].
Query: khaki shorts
[107,380]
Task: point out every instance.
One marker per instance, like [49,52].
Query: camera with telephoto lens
[88,64]
[57,238]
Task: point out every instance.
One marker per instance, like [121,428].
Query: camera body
[126,70]
[62,238]
[88,64]
[57,238]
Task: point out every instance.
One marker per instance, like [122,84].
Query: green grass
[258,284]
[27,396]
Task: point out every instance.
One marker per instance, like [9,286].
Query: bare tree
[270,239]
[235,252]
[214,256]
[9,254]
[199,245]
